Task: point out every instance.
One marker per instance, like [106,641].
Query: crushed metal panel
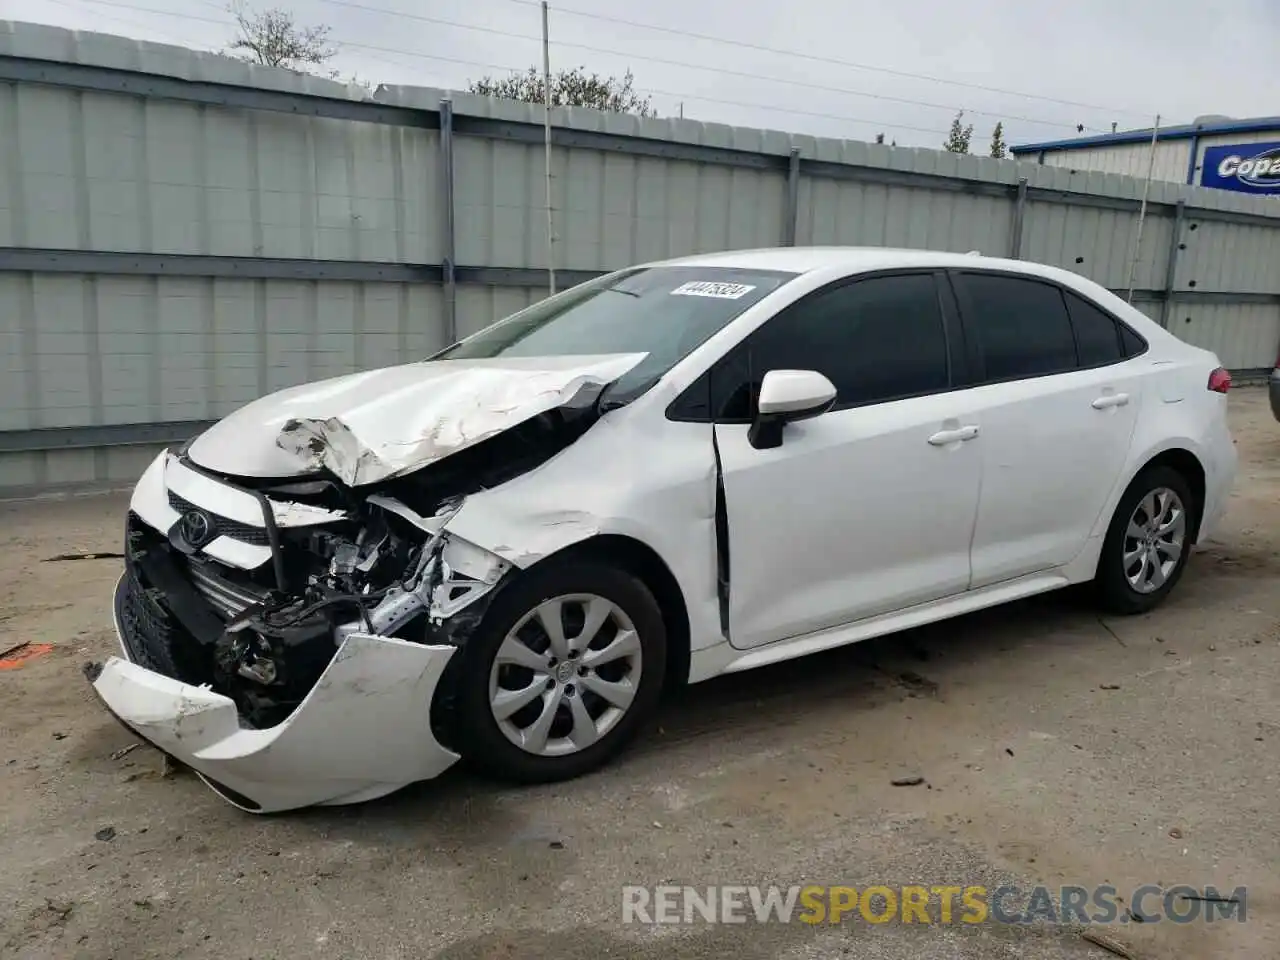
[363,731]
[378,441]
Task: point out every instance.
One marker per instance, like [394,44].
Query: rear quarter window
[1097,332]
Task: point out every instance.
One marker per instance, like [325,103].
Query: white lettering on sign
[712,288]
[1234,166]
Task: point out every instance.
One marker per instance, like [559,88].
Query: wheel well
[643,563]
[1185,462]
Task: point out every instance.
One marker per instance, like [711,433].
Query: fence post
[1019,217]
[791,212]
[1171,267]
[446,202]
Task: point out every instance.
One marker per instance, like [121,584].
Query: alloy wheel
[1154,540]
[565,674]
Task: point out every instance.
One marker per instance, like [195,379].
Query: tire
[485,741]
[1112,585]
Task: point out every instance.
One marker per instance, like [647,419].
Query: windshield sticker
[711,288]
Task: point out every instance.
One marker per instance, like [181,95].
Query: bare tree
[272,37]
[569,88]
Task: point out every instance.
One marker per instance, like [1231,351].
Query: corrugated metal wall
[94,171]
[181,233]
[611,209]
[1129,159]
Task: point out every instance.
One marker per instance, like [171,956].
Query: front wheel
[566,665]
[1148,542]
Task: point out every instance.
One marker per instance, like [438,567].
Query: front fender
[609,484]
[524,538]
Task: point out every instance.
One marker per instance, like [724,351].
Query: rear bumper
[363,731]
[1221,464]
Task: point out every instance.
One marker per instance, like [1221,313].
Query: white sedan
[679,470]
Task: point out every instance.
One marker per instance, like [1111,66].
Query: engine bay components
[377,568]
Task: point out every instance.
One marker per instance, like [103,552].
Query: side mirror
[787,395]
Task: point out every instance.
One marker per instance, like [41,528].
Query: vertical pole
[446,201]
[1019,217]
[546,138]
[1142,210]
[1171,267]
[791,213]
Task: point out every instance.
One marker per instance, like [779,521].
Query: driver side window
[878,339]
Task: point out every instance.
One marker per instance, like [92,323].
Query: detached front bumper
[362,732]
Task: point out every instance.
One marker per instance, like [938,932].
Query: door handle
[1110,400]
[944,437]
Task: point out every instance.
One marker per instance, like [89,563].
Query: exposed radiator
[227,598]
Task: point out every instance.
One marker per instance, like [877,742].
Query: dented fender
[615,481]
[532,537]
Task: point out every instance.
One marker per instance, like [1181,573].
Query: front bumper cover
[362,732]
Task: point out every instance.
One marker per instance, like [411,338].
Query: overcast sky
[1116,61]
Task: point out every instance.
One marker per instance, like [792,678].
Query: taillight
[1220,380]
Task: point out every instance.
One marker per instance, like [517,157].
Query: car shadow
[863,676]
[907,664]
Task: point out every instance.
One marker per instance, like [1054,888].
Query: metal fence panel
[181,233]
[87,350]
[1244,336]
[1226,256]
[102,171]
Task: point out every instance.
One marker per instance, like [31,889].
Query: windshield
[662,312]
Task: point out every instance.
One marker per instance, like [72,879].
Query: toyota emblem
[197,528]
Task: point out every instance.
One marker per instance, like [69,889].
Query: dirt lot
[1037,768]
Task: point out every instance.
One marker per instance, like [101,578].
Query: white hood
[367,427]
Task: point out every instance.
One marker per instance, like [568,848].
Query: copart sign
[1245,168]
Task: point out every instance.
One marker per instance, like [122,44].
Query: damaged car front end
[284,637]
[347,586]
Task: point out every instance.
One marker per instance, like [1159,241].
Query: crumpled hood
[366,427]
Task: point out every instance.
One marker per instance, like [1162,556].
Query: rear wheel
[566,666]
[1148,542]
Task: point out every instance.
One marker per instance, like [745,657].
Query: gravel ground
[1036,771]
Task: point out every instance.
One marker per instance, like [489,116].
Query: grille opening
[223,526]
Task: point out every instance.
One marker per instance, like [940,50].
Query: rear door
[868,508]
[1058,402]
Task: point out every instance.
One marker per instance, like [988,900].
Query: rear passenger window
[1097,333]
[1022,326]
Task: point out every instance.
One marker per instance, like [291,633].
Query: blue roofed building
[1214,151]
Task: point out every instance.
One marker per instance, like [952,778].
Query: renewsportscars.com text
[936,904]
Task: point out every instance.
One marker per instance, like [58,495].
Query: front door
[870,507]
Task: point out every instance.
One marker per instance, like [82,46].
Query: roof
[806,259]
[854,260]
[1183,132]
[830,263]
